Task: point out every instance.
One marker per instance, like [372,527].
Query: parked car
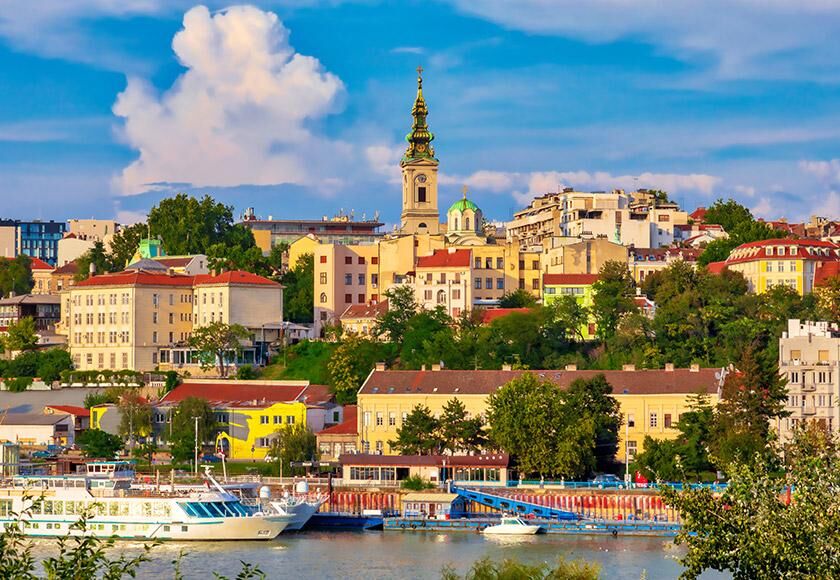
[607,480]
[42,454]
[210,458]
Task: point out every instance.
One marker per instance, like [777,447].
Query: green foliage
[546,433]
[613,297]
[223,257]
[299,292]
[182,438]
[767,523]
[402,307]
[458,431]
[307,360]
[97,377]
[519,298]
[124,244]
[51,363]
[98,257]
[172,381]
[828,299]
[246,373]
[427,339]
[217,342]
[293,443]
[352,362]
[135,416]
[729,214]
[16,276]
[739,223]
[418,434]
[18,384]
[509,569]
[187,225]
[416,483]
[21,335]
[99,444]
[592,397]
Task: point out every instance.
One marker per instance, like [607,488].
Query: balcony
[809,410]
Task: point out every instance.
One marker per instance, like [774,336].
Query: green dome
[463,204]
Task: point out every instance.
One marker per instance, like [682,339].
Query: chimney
[669,367]
[695,368]
[436,367]
[92,269]
[380,366]
[571,367]
[423,367]
[507,367]
[628,367]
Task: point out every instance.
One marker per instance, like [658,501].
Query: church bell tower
[419,172]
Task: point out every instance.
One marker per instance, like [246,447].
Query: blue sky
[299,107]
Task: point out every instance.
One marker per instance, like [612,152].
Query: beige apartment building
[625,218]
[809,358]
[576,256]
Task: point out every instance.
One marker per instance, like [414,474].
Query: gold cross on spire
[419,71]
[464,190]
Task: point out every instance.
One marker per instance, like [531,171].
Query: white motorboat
[51,505]
[301,505]
[511,526]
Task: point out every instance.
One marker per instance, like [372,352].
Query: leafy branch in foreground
[487,569]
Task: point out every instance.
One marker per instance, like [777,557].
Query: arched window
[466,223]
[422,227]
[323,297]
[441,297]
[456,224]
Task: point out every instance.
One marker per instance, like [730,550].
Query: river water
[404,555]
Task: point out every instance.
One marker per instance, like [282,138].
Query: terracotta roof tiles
[569,279]
[349,426]
[449,258]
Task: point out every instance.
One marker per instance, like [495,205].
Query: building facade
[36,239]
[651,401]
[579,287]
[809,359]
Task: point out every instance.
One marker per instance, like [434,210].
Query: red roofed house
[444,279]
[783,262]
[645,261]
[142,318]
[41,277]
[335,441]
[360,319]
[80,415]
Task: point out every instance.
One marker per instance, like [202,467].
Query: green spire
[420,138]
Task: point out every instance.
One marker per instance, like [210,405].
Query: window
[456,294]
[374,280]
[348,298]
[488,283]
[500,263]
[154,317]
[441,297]
[154,337]
[421,194]
[667,419]
[781,266]
[323,277]
[379,419]
[631,449]
[392,418]
[427,295]
[367,419]
[478,263]
[323,297]
[374,260]
[478,283]
[361,260]
[795,355]
[535,284]
[793,266]
[290,420]
[361,298]
[361,279]
[379,448]
[323,259]
[654,420]
[348,279]
[278,420]
[535,265]
[631,420]
[488,263]
[263,419]
[522,283]
[769,266]
[822,356]
[348,259]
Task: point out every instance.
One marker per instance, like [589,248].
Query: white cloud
[384,160]
[765,209]
[240,114]
[408,50]
[765,38]
[825,171]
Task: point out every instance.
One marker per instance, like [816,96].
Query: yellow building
[651,401]
[575,256]
[781,262]
[579,286]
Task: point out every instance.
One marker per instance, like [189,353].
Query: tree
[351,363]
[592,397]
[187,225]
[519,298]
[217,343]
[418,434]
[739,223]
[135,416]
[96,257]
[16,275]
[828,299]
[298,295]
[567,317]
[182,436]
[51,363]
[428,338]
[402,307]
[729,214]
[750,398]
[293,443]
[530,420]
[459,431]
[223,257]
[767,523]
[612,297]
[21,335]
[509,569]
[100,444]
[124,245]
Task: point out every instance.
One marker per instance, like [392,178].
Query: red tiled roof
[824,271]
[469,382]
[493,460]
[68,268]
[752,251]
[569,279]
[237,392]
[716,267]
[366,310]
[234,277]
[70,410]
[491,314]
[140,278]
[698,214]
[39,264]
[445,259]
[349,426]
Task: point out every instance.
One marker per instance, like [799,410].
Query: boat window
[113,508]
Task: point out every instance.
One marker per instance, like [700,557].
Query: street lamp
[196,445]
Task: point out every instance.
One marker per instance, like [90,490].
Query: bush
[246,373]
[18,384]
[416,483]
[486,569]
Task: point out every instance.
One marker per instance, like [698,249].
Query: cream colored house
[444,280]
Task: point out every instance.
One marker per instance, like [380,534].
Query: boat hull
[505,530]
[300,513]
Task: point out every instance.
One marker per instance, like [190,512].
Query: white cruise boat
[117,510]
[301,505]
